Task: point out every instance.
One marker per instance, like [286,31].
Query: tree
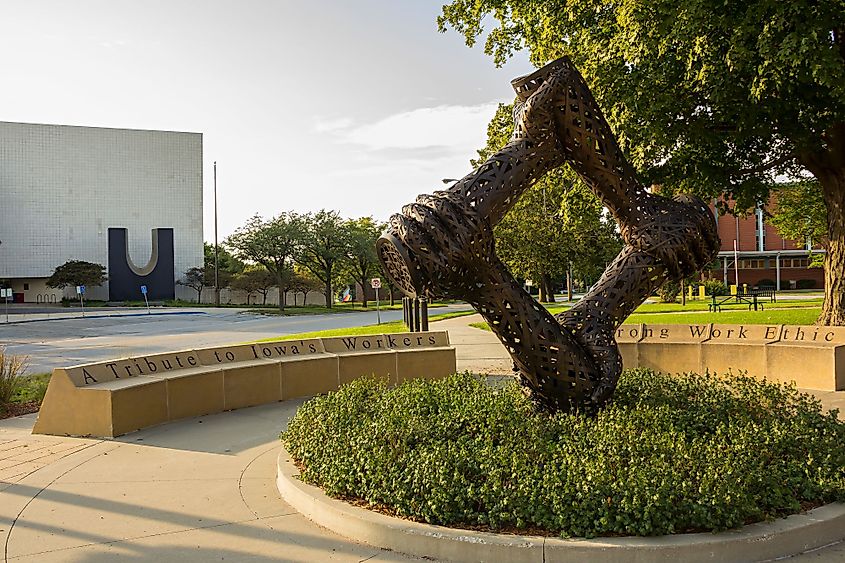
[271,243]
[363,262]
[226,262]
[255,279]
[198,278]
[325,245]
[288,283]
[195,278]
[557,223]
[800,213]
[304,282]
[709,97]
[391,287]
[77,272]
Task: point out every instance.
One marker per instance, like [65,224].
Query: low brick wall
[813,357]
[108,399]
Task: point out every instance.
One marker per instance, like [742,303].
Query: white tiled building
[62,188]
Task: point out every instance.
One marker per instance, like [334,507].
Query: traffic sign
[7,292]
[143,290]
[80,289]
[375,283]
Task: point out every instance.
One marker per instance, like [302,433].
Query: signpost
[144,292]
[6,293]
[376,284]
[80,291]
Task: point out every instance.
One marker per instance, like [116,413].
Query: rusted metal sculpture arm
[442,245]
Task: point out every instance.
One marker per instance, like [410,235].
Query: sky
[357,106]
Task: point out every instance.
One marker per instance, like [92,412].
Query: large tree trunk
[829,169]
[364,291]
[329,296]
[833,310]
[547,289]
[281,294]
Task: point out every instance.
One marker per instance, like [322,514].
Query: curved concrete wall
[813,357]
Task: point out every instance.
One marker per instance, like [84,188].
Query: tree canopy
[557,223]
[77,272]
[226,261]
[196,279]
[255,279]
[713,98]
[271,243]
[363,262]
[800,213]
[324,246]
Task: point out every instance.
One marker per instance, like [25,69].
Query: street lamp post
[216,251]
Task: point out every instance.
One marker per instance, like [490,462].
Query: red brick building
[762,256]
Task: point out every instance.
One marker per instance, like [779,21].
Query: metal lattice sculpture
[442,245]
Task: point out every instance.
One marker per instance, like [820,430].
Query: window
[26,287]
[795,263]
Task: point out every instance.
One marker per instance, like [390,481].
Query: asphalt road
[65,342]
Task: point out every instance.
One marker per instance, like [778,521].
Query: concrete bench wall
[813,357]
[108,399]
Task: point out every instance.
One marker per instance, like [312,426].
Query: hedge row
[670,454]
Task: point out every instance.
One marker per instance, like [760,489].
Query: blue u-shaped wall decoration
[126,279]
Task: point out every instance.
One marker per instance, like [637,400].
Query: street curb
[757,542]
[86,317]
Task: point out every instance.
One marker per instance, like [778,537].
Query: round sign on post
[375,283]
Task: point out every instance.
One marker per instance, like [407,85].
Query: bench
[109,399]
[813,357]
[751,298]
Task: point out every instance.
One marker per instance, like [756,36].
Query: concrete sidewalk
[197,490]
[95,313]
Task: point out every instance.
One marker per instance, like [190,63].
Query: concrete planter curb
[757,542]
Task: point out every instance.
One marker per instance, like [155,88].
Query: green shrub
[668,292]
[806,284]
[12,368]
[766,283]
[32,388]
[715,287]
[669,454]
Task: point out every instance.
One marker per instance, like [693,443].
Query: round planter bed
[755,542]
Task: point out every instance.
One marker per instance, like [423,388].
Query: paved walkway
[196,490]
[24,314]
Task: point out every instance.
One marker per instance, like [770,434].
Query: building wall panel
[62,188]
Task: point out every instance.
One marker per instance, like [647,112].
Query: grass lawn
[384,328]
[692,306]
[795,316]
[336,308]
[703,305]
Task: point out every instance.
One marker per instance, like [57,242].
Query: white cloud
[462,128]
[332,125]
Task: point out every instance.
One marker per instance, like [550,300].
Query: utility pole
[216,251]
